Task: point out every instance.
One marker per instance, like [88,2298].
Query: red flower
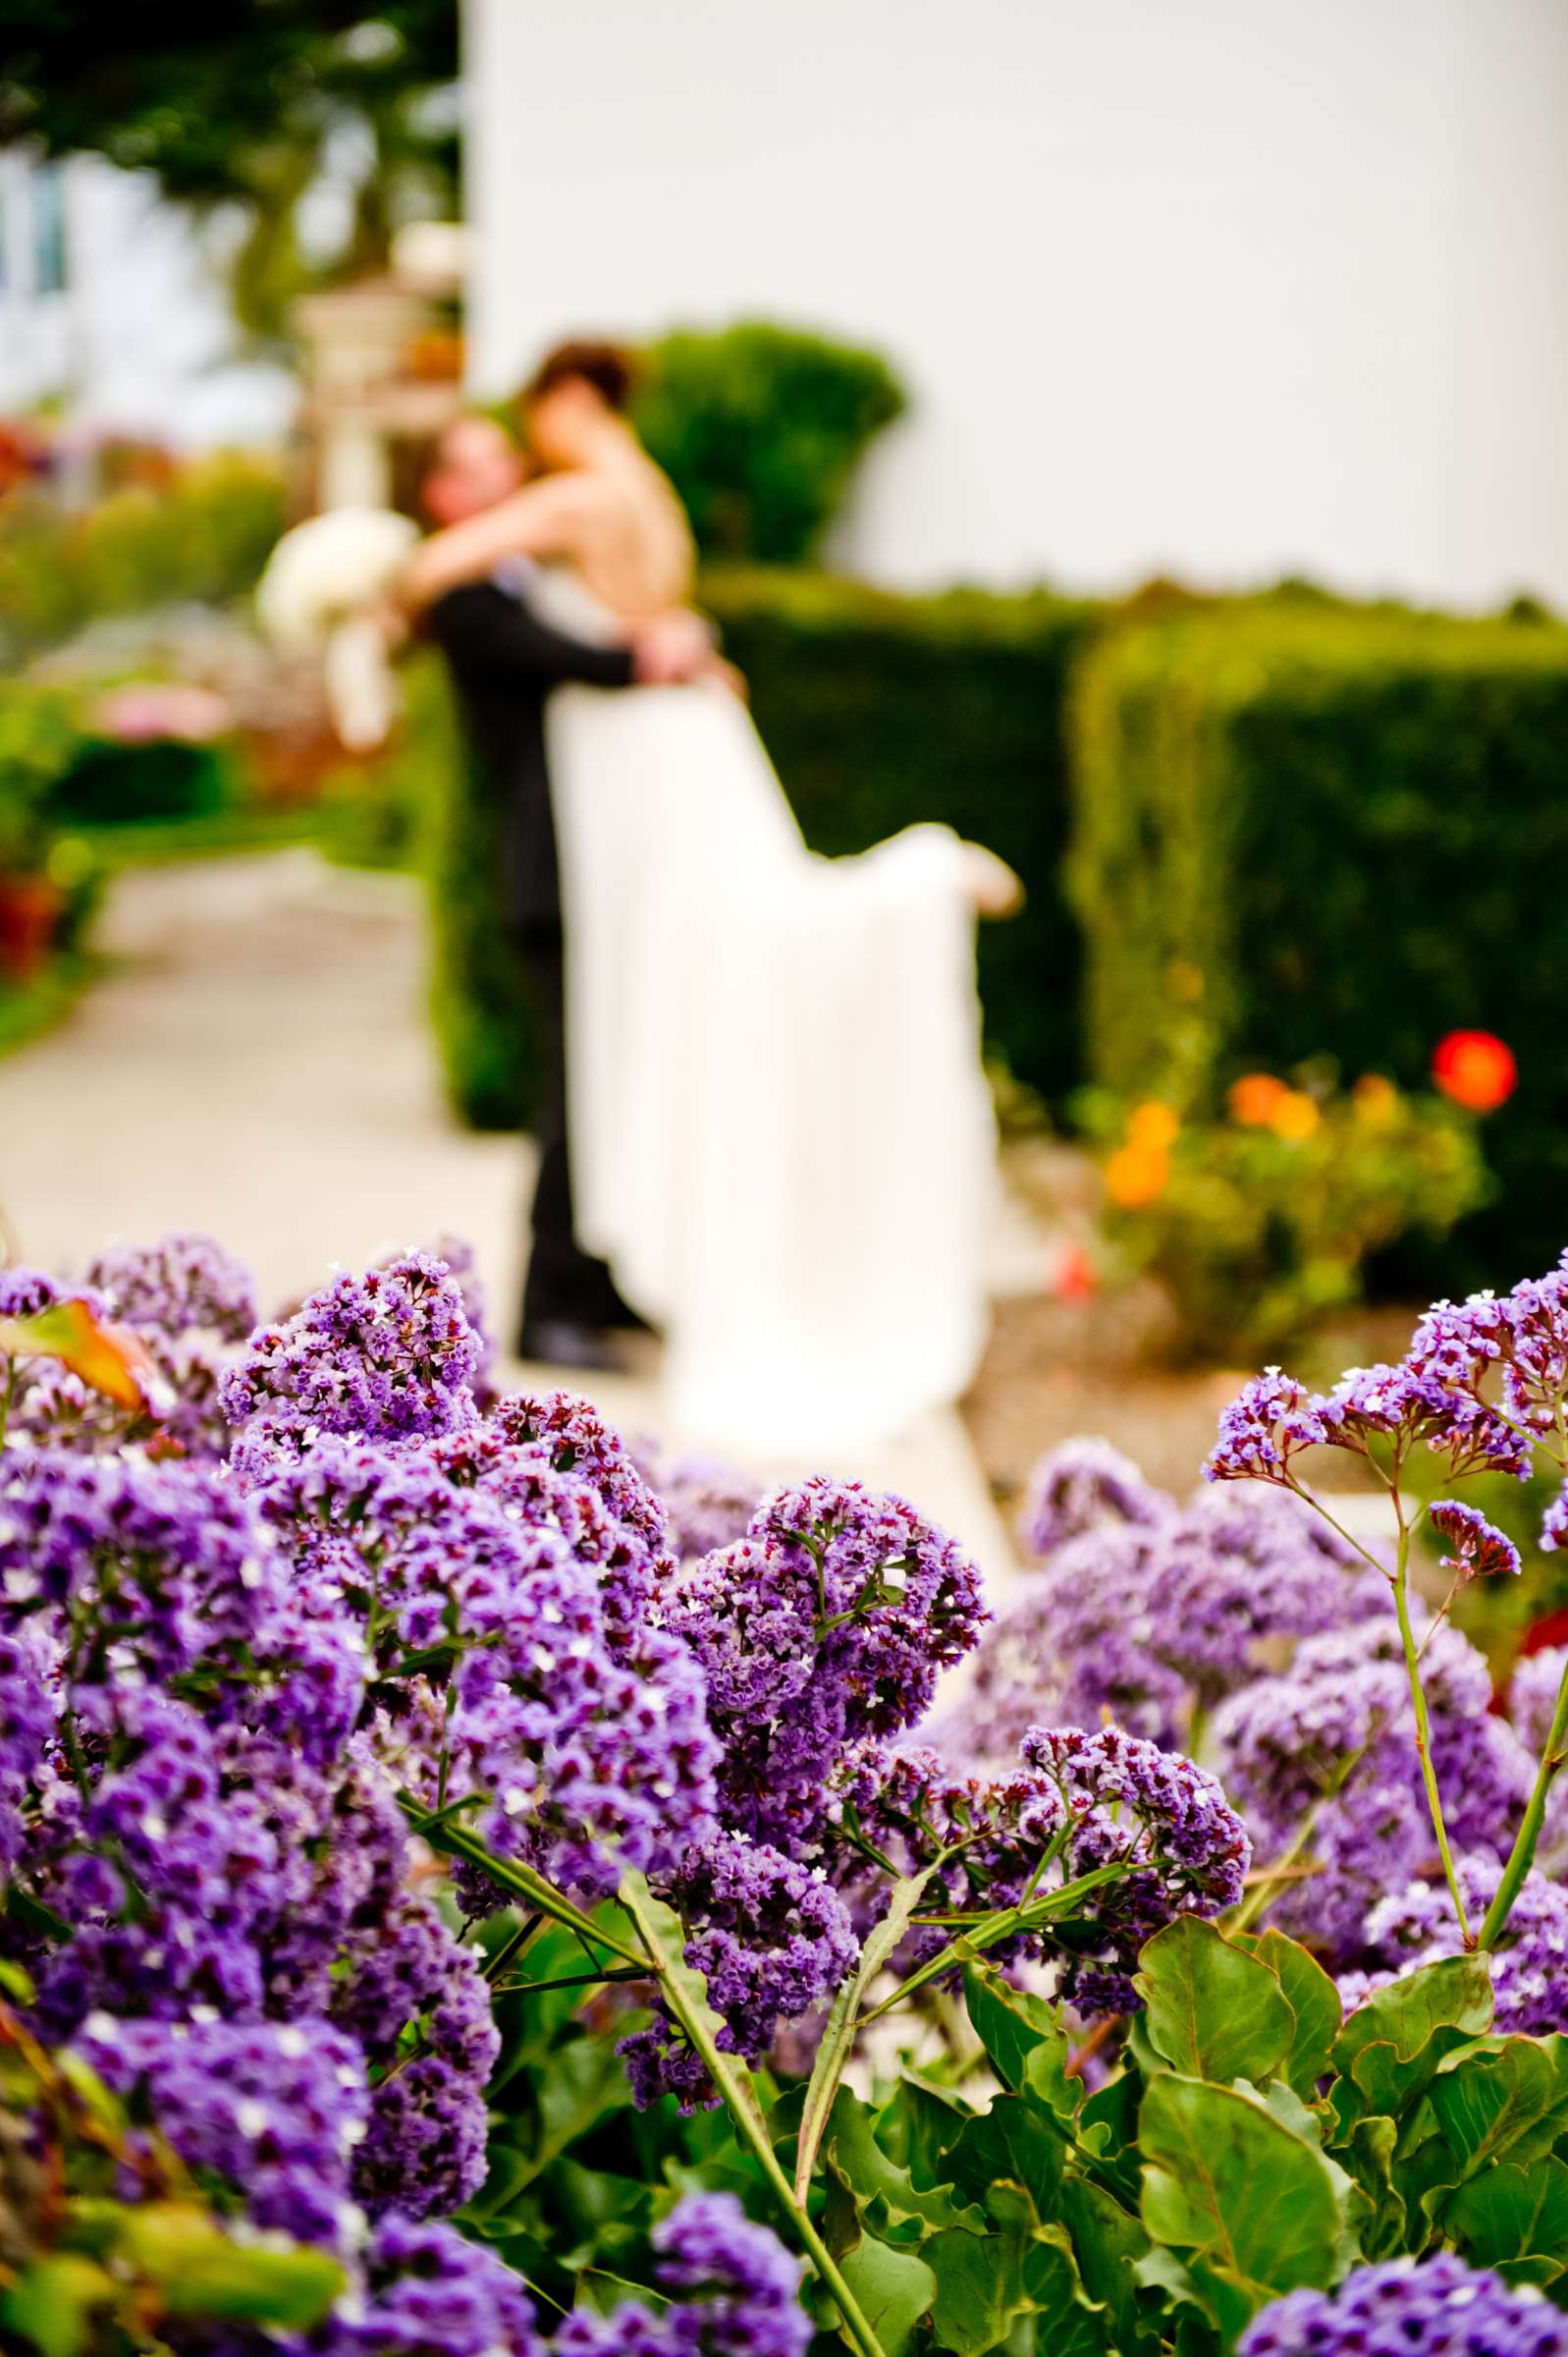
[1476,1069]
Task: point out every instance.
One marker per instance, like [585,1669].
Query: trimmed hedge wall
[1323,831]
[879,711]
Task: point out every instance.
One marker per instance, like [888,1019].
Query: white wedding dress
[782,1138]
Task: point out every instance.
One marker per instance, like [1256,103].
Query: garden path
[256,1062]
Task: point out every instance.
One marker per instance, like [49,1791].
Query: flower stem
[680,1989]
[1523,1852]
[1429,1774]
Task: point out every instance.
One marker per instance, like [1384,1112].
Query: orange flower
[1255,1099]
[1075,1277]
[1153,1127]
[1375,1099]
[1476,1070]
[1136,1175]
[1295,1117]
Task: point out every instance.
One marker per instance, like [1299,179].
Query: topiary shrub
[1330,832]
[760,429]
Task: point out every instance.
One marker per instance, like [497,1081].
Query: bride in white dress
[781,1140]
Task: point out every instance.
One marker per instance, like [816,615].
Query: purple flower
[1475,1548]
[1270,1420]
[386,1356]
[427,2291]
[180,1284]
[736,2293]
[1438,2307]
[708,1504]
[1416,1926]
[831,1620]
[1098,1801]
[1083,1483]
[404,1972]
[770,1938]
[277,2109]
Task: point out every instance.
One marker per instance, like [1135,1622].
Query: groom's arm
[487,635]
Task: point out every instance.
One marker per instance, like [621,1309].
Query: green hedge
[206,537]
[879,711]
[1327,832]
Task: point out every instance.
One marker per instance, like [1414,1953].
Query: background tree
[246,106]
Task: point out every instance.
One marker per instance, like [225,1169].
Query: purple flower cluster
[1436,2307]
[1473,1548]
[386,1356]
[1481,1381]
[1151,1620]
[831,1620]
[1080,1485]
[1416,1926]
[184,1283]
[736,2294]
[709,1504]
[770,1936]
[1332,1740]
[1107,1800]
[276,2108]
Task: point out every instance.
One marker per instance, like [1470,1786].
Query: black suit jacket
[504,663]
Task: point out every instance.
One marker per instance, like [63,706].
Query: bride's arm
[542,519]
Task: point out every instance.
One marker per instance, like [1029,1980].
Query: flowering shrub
[441,1907]
[1259,1223]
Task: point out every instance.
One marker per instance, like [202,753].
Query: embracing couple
[764,1127]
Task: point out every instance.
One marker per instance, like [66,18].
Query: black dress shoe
[561,1343]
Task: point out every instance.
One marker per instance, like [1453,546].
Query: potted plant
[38,740]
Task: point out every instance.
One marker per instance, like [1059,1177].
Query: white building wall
[140,339]
[1225,288]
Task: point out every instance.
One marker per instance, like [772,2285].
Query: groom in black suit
[503,662]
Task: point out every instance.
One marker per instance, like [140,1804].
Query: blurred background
[1135,435]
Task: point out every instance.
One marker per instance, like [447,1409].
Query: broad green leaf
[1024,2039]
[894,2290]
[1313,2000]
[1510,2213]
[1108,2243]
[1012,2141]
[1388,2051]
[1379,2206]
[1212,2011]
[50,2305]
[917,2125]
[1225,2181]
[1019,2268]
[851,2143]
[1501,2099]
[199,2272]
[1108,2128]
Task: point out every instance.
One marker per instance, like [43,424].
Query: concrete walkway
[257,1064]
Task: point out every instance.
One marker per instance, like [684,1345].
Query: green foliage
[234,105]
[760,429]
[39,746]
[1260,1221]
[206,537]
[1317,830]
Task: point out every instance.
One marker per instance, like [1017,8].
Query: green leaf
[1379,2203]
[1023,2038]
[1109,2243]
[895,2288]
[50,2305]
[1212,2011]
[1388,2051]
[1511,2213]
[1313,2000]
[838,2037]
[1020,2268]
[851,2143]
[1011,2141]
[918,2123]
[1228,2183]
[199,2272]
[1501,2099]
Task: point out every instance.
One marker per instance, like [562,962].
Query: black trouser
[563,1284]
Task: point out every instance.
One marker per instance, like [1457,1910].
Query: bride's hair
[608,367]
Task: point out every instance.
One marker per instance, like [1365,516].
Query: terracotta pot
[29,912]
